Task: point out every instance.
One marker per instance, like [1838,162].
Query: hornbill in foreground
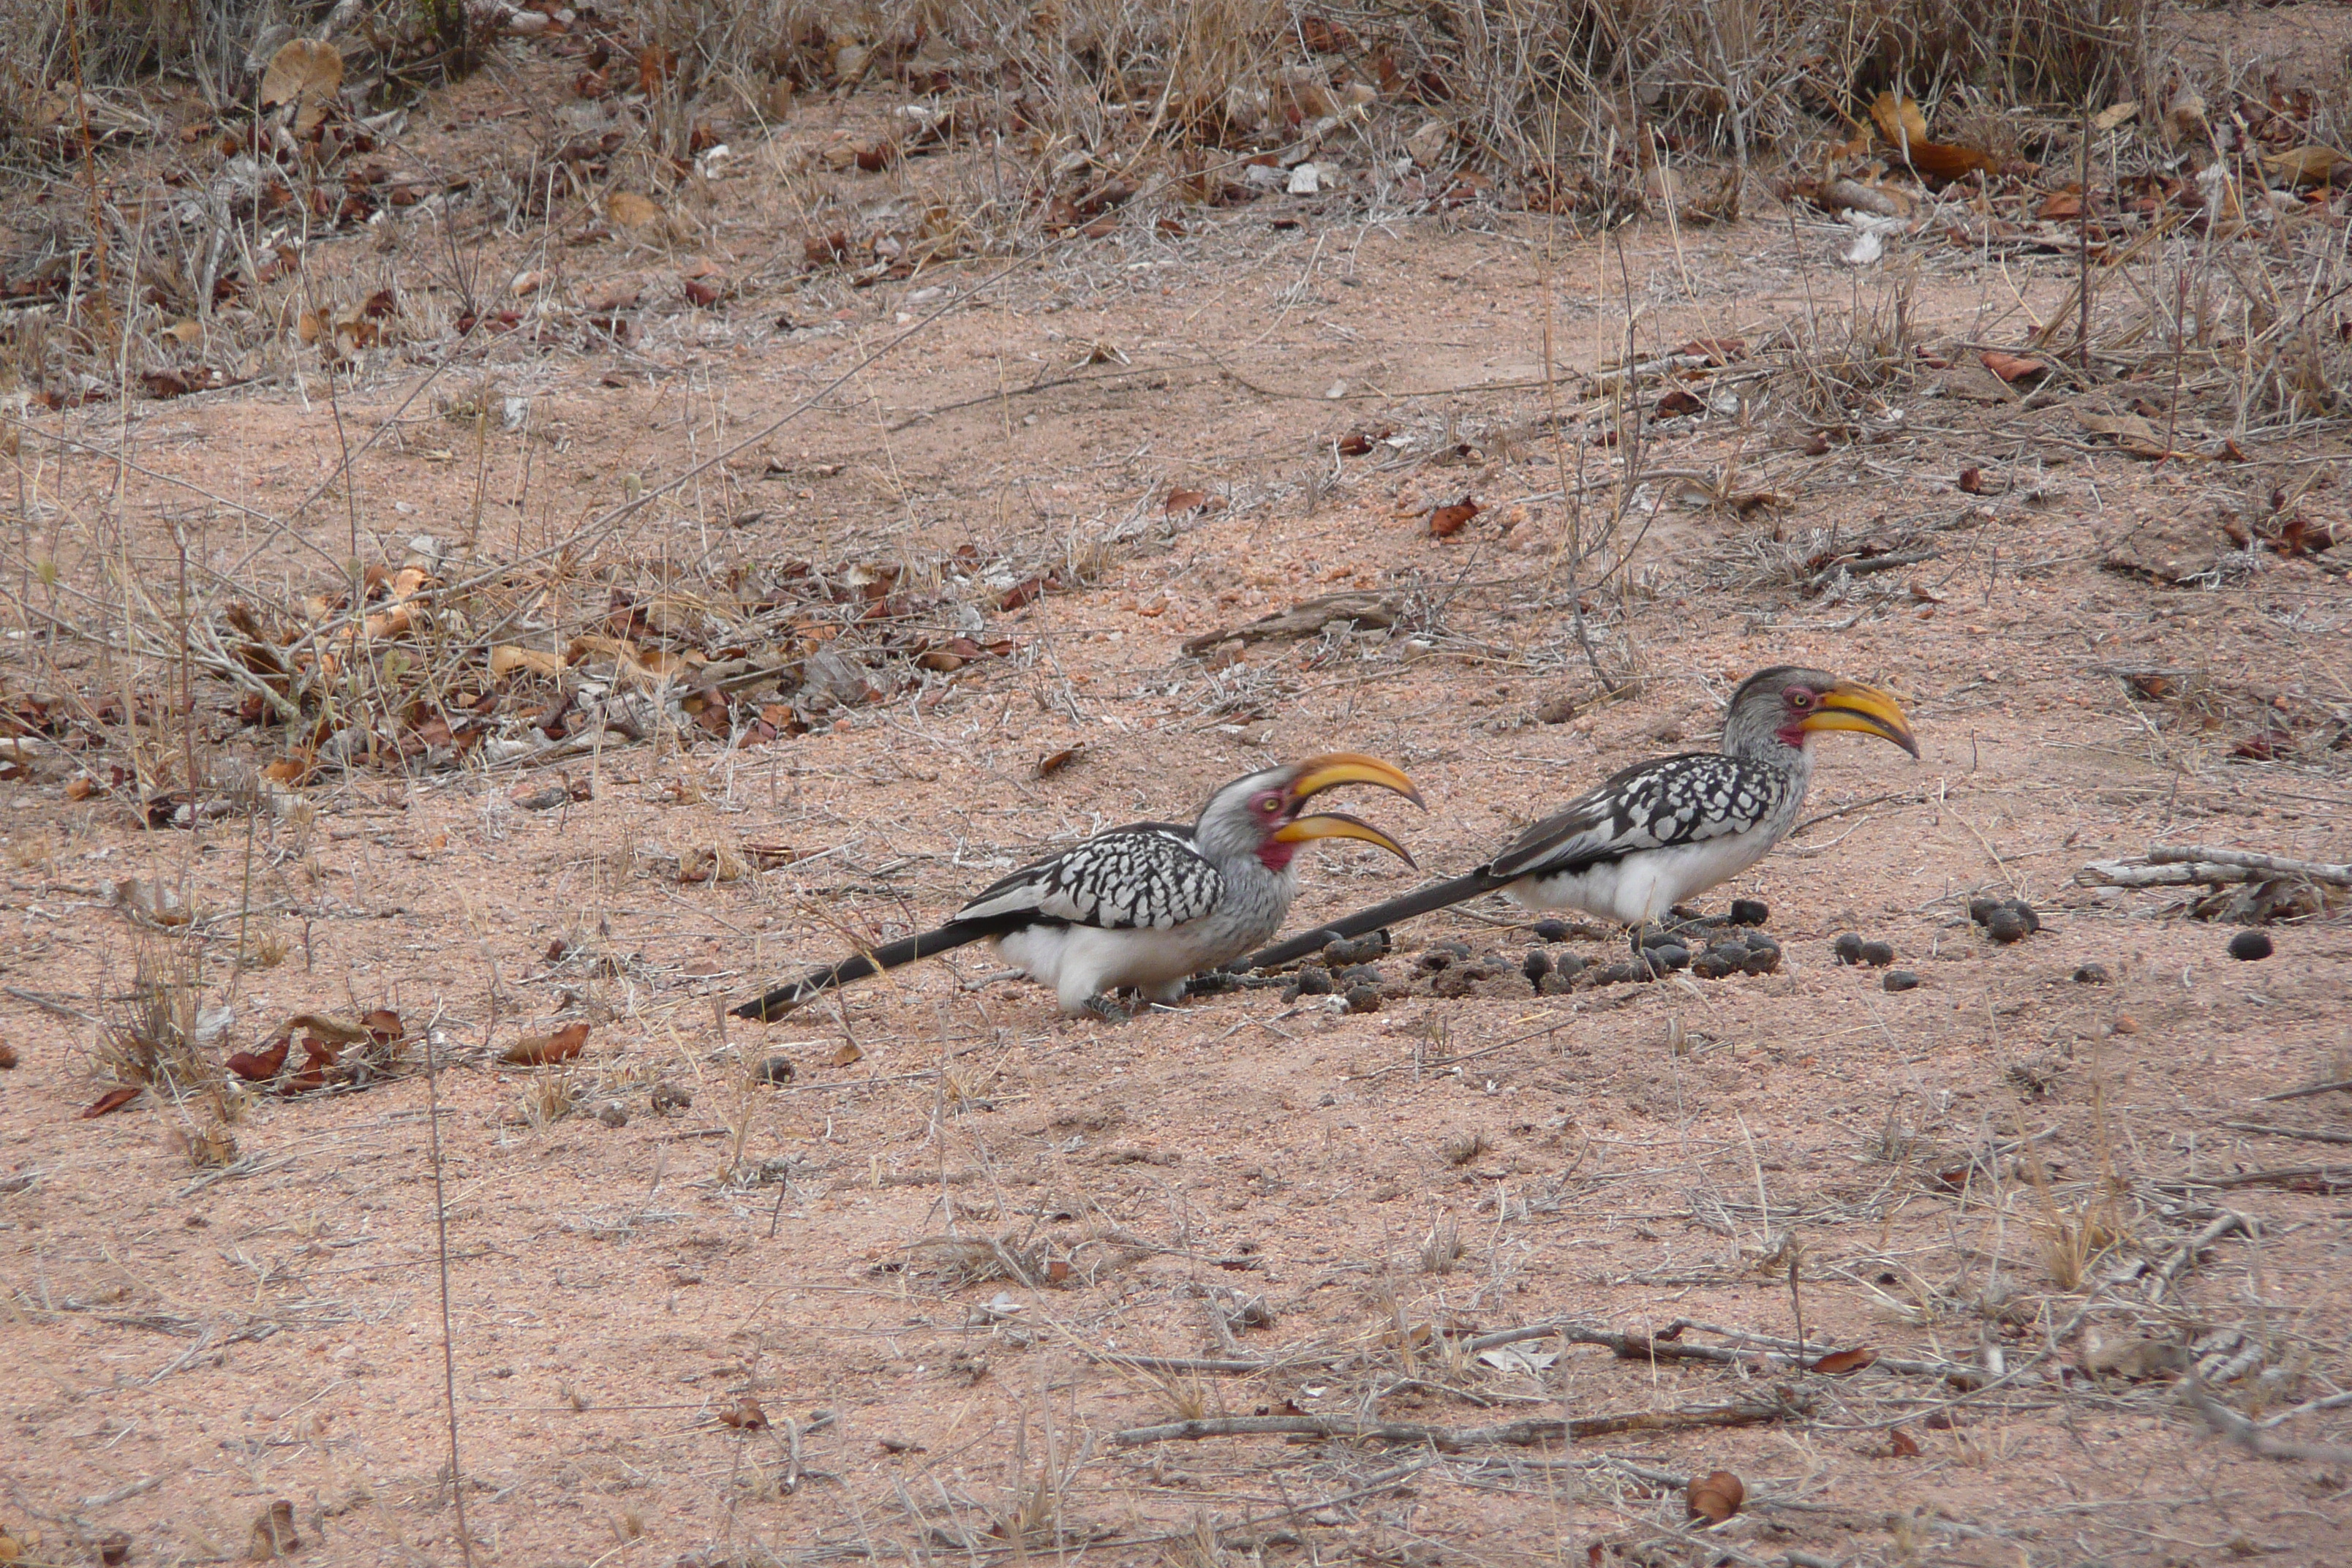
[1665,830]
[1145,906]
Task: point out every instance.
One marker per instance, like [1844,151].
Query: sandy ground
[910,1301]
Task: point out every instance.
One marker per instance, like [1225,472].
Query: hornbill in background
[1665,830]
[1145,906]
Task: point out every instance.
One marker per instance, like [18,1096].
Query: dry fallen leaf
[2060,205]
[1944,161]
[2115,114]
[1902,1444]
[507,659]
[1716,1495]
[112,1099]
[153,903]
[305,71]
[2010,367]
[1837,1363]
[1055,762]
[845,1054]
[547,1050]
[258,1067]
[1448,521]
[746,1416]
[2132,433]
[631,210]
[273,1533]
[2307,165]
[1899,119]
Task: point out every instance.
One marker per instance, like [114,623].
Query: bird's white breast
[1644,886]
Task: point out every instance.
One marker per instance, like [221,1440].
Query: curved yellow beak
[1849,705]
[1316,775]
[1339,825]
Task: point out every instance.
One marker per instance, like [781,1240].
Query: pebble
[1670,956]
[2091,974]
[1556,984]
[2250,945]
[774,1069]
[1363,998]
[1899,979]
[1552,931]
[1536,965]
[1750,912]
[612,1113]
[2005,926]
[668,1099]
[1878,955]
[1339,954]
[1314,981]
[1847,947]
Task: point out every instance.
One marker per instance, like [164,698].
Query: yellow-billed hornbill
[1146,906]
[1665,830]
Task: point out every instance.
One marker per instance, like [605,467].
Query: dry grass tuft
[156,1040]
[1442,1248]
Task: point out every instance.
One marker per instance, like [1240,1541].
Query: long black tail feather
[1436,896]
[889,955]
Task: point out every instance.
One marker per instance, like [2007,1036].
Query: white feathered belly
[1647,883]
[1080,961]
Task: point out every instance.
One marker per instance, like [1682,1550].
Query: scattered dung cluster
[1849,948]
[2005,919]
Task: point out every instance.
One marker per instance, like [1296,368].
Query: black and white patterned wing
[1149,875]
[1671,800]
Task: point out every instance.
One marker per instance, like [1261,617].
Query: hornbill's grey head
[1258,813]
[1787,705]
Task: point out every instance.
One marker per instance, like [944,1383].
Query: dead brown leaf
[1837,1363]
[2131,433]
[273,1533]
[631,210]
[508,659]
[1716,1495]
[112,1099]
[1448,521]
[1899,119]
[2307,165]
[306,72]
[547,1050]
[745,1415]
[2010,367]
[1944,162]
